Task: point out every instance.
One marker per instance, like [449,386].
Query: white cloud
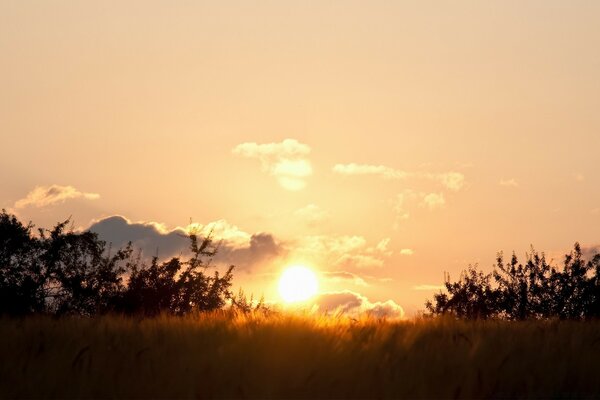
[407,252]
[287,161]
[509,182]
[434,200]
[42,196]
[354,304]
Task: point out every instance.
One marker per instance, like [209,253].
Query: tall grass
[289,356]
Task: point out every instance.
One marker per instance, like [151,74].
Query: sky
[380,143]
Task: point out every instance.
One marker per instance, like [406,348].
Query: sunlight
[297,283]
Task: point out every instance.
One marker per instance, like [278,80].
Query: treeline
[517,291]
[62,272]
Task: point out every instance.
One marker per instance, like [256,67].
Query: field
[287,356]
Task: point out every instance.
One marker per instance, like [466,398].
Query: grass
[291,356]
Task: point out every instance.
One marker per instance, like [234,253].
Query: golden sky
[382,143]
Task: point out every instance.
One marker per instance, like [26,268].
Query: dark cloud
[345,301]
[262,247]
[152,239]
[144,236]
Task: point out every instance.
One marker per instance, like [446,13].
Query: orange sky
[381,143]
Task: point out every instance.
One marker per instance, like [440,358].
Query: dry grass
[286,356]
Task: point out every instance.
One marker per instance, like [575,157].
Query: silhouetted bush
[176,286]
[515,291]
[65,272]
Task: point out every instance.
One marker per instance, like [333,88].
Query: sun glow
[297,283]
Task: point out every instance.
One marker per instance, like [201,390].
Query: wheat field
[222,355]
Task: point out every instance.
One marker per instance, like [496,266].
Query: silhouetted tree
[533,290]
[82,277]
[22,276]
[472,296]
[65,272]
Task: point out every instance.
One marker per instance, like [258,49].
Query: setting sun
[297,283]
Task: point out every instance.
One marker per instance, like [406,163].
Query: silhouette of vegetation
[533,290]
[62,272]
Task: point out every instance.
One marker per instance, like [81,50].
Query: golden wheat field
[291,356]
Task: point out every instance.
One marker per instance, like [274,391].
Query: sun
[297,283]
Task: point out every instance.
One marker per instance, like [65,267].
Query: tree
[471,297]
[175,286]
[534,290]
[82,276]
[65,272]
[22,276]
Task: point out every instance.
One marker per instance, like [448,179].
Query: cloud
[341,252]
[311,214]
[429,287]
[451,180]
[404,200]
[365,169]
[434,200]
[236,246]
[361,261]
[407,252]
[343,276]
[245,250]
[579,177]
[589,252]
[150,237]
[354,304]
[287,161]
[42,196]
[509,182]
[400,205]
[263,247]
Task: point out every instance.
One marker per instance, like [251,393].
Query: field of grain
[290,356]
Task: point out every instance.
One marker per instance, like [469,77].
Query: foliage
[65,272]
[533,290]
